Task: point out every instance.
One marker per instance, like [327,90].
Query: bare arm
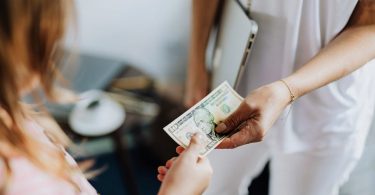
[346,53]
[349,51]
[203,16]
[202,21]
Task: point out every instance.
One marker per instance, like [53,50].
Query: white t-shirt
[290,33]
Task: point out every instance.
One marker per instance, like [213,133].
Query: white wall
[151,34]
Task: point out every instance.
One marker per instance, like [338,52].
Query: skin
[187,174]
[190,174]
[349,51]
[197,84]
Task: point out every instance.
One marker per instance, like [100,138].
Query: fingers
[242,113]
[194,147]
[162,170]
[191,152]
[180,149]
[249,133]
[160,177]
[169,163]
[227,143]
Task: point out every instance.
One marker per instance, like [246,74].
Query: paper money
[204,117]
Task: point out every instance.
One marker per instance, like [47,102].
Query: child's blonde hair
[30,35]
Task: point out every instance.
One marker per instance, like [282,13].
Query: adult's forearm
[346,53]
[203,16]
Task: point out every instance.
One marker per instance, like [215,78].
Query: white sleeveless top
[290,33]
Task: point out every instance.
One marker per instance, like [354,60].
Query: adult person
[312,55]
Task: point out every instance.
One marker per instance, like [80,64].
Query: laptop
[235,38]
[86,72]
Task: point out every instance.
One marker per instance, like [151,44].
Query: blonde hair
[30,35]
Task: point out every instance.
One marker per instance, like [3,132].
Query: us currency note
[204,117]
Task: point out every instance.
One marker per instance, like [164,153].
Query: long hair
[31,32]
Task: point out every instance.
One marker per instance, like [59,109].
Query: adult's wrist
[292,85]
[197,68]
[291,93]
[280,93]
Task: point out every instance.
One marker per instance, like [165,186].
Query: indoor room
[215,97]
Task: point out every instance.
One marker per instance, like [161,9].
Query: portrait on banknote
[203,118]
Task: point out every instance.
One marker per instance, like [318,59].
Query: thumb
[195,146]
[239,116]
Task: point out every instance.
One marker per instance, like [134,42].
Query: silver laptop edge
[235,39]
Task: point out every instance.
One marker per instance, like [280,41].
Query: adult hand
[197,86]
[255,115]
[187,174]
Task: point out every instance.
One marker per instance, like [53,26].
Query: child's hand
[186,174]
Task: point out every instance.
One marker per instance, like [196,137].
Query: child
[32,155]
[32,158]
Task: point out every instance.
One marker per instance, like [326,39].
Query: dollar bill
[204,117]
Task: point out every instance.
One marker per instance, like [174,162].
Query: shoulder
[26,178]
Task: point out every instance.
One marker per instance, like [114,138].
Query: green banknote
[203,118]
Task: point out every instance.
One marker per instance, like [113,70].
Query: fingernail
[221,127]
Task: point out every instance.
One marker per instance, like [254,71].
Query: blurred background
[141,49]
[153,35]
[142,42]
